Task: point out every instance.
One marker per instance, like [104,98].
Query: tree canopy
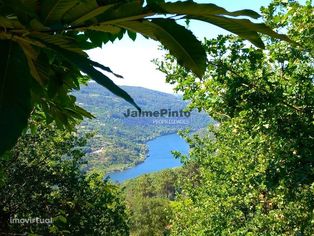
[256,176]
[43,47]
[42,177]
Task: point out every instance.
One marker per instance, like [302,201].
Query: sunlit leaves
[256,176]
[44,177]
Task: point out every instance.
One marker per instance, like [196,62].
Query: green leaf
[105,68]
[79,10]
[31,56]
[125,11]
[52,11]
[60,218]
[241,27]
[36,25]
[180,41]
[23,12]
[106,28]
[5,23]
[132,35]
[62,41]
[83,112]
[15,100]
[217,15]
[91,11]
[92,14]
[97,37]
[87,66]
[245,29]
[198,9]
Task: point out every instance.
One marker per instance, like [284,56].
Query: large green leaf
[98,12]
[180,41]
[242,27]
[245,29]
[88,66]
[198,9]
[59,40]
[92,14]
[105,68]
[7,24]
[69,45]
[53,10]
[81,9]
[88,10]
[106,28]
[31,56]
[19,10]
[126,10]
[216,15]
[15,105]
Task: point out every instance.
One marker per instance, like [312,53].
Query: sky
[132,59]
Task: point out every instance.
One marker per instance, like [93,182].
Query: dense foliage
[149,198]
[46,40]
[152,198]
[120,141]
[256,177]
[44,179]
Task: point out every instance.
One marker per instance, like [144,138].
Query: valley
[119,141]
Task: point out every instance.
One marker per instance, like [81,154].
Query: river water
[160,157]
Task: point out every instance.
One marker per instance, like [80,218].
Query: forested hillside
[119,141]
[257,176]
[151,199]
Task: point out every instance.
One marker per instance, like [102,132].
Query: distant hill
[119,141]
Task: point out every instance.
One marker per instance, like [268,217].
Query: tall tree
[257,176]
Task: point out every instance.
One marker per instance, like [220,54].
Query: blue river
[159,157]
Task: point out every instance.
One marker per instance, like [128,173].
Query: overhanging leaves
[15,105]
[61,41]
[53,10]
[87,66]
[79,10]
[62,29]
[218,16]
[180,41]
[191,8]
[96,12]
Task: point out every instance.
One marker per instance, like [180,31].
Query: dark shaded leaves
[15,105]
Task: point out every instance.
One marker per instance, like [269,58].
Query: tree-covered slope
[257,176]
[119,141]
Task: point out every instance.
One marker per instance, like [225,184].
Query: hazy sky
[133,59]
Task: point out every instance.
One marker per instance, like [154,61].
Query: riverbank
[143,156]
[159,158]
